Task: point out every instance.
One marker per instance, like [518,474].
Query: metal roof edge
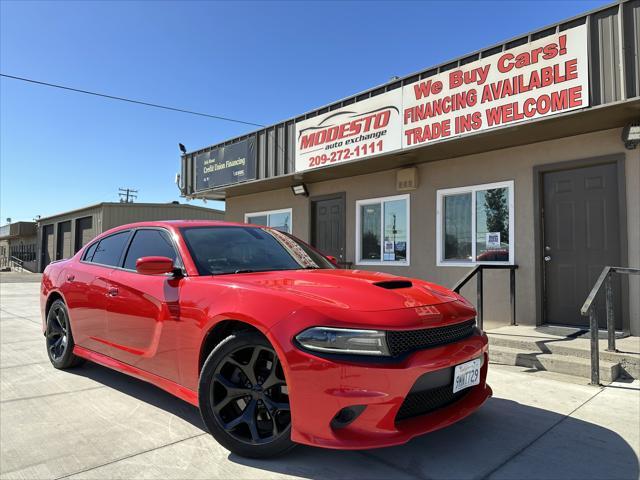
[170,204]
[137,204]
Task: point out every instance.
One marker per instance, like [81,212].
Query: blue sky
[261,62]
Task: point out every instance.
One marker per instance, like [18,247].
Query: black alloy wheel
[59,339]
[244,399]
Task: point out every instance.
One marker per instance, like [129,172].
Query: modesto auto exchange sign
[541,78]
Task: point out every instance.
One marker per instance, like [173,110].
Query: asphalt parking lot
[91,422]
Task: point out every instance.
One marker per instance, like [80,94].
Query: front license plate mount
[466,375]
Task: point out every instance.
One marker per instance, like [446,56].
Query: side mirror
[154,265]
[332,259]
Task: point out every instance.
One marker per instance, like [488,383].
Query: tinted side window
[149,243]
[88,255]
[110,249]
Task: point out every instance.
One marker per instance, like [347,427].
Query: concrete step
[550,345]
[567,365]
[576,348]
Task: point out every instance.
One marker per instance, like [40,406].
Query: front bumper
[319,388]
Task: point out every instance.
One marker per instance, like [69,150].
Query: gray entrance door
[328,225]
[581,236]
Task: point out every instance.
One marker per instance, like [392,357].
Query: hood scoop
[394,284]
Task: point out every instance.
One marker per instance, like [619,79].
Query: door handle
[547,258]
[71,278]
[112,292]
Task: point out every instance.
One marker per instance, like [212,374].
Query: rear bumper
[319,388]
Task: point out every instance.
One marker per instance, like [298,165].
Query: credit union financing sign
[545,77]
[226,165]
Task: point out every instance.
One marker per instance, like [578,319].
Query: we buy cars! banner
[545,77]
[541,78]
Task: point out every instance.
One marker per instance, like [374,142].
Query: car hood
[350,289]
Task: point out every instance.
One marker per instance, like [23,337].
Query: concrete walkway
[20,277]
[94,423]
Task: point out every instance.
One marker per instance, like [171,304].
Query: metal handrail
[17,261]
[588,309]
[477,270]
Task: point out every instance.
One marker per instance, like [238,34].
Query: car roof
[182,223]
[174,224]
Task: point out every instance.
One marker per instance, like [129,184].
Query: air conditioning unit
[407,179]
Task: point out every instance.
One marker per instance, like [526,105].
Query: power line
[127,195]
[129,100]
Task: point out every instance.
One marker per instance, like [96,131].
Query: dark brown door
[63,249]
[84,232]
[581,236]
[328,225]
[47,246]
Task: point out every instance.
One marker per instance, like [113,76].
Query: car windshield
[224,250]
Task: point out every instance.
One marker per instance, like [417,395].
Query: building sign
[544,77]
[359,130]
[226,165]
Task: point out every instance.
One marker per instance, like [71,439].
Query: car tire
[243,397]
[59,339]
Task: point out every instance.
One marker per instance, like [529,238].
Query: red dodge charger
[273,343]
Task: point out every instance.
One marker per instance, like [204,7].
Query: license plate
[466,375]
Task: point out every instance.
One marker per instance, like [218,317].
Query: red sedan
[274,344]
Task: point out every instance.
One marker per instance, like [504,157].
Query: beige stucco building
[555,196]
[18,245]
[62,235]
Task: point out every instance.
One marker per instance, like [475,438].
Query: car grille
[421,403]
[403,341]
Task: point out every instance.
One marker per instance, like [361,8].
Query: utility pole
[127,195]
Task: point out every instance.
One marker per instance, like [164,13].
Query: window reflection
[492,225]
[370,247]
[457,227]
[259,220]
[278,220]
[395,230]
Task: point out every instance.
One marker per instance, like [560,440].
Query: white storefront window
[278,219]
[382,231]
[475,225]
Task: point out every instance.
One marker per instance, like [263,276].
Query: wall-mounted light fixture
[631,135]
[300,189]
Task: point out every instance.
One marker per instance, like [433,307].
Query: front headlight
[344,341]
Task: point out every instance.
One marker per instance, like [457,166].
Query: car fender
[240,317]
[255,323]
[50,285]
